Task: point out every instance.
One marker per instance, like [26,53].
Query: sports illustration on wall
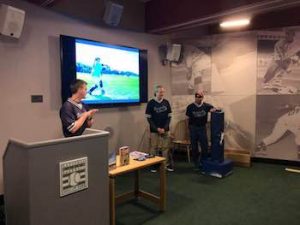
[193,72]
[278,127]
[278,62]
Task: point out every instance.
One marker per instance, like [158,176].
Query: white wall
[31,65]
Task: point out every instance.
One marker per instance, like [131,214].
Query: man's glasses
[198,96]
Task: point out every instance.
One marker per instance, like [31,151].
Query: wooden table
[136,166]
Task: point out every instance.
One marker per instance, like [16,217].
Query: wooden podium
[61,181]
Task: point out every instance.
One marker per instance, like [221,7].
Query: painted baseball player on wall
[193,72]
[278,63]
[278,127]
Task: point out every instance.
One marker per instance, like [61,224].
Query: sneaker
[170,169]
[153,170]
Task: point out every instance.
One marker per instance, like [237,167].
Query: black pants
[198,135]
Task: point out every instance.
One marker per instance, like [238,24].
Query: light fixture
[235,23]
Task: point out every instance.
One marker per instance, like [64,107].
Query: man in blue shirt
[158,113]
[197,114]
[75,116]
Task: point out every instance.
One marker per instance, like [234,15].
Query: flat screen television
[115,75]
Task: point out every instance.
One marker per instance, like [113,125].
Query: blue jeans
[198,135]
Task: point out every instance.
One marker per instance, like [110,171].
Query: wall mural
[201,67]
[278,63]
[193,72]
[278,95]
[262,105]
[278,127]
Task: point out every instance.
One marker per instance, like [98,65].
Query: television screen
[115,75]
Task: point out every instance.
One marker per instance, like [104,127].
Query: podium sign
[73,176]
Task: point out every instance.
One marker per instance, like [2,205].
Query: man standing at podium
[75,116]
[197,114]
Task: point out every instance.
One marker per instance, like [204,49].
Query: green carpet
[263,194]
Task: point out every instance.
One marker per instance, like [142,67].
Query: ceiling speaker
[11,21]
[173,52]
[113,13]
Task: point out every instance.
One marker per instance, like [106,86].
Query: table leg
[163,193]
[112,201]
[136,183]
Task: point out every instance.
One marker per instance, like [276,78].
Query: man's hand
[160,130]
[92,112]
[215,109]
[90,115]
